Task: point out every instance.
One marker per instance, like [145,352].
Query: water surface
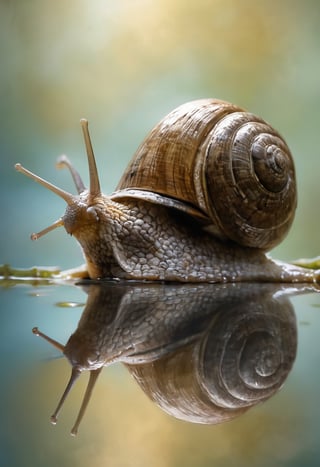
[145,408]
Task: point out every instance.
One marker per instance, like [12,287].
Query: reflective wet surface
[124,65]
[184,374]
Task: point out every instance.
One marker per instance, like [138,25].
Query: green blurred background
[124,65]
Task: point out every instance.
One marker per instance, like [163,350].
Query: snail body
[208,192]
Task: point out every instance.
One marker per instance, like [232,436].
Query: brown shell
[242,357]
[227,164]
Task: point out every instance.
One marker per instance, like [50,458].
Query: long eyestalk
[75,373]
[62,162]
[92,381]
[68,197]
[93,173]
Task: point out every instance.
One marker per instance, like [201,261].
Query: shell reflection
[204,353]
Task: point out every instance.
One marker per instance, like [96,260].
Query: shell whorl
[227,163]
[243,358]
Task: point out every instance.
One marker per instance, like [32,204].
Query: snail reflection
[204,353]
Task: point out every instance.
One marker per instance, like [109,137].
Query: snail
[209,191]
[204,353]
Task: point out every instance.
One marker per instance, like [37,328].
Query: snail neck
[99,228]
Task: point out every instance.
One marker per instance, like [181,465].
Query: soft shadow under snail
[208,192]
[204,353]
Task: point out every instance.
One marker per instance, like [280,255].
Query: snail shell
[243,358]
[227,163]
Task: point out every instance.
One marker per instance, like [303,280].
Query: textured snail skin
[145,241]
[210,189]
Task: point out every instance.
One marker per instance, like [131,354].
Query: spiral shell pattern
[243,358]
[250,356]
[250,164]
[229,164]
